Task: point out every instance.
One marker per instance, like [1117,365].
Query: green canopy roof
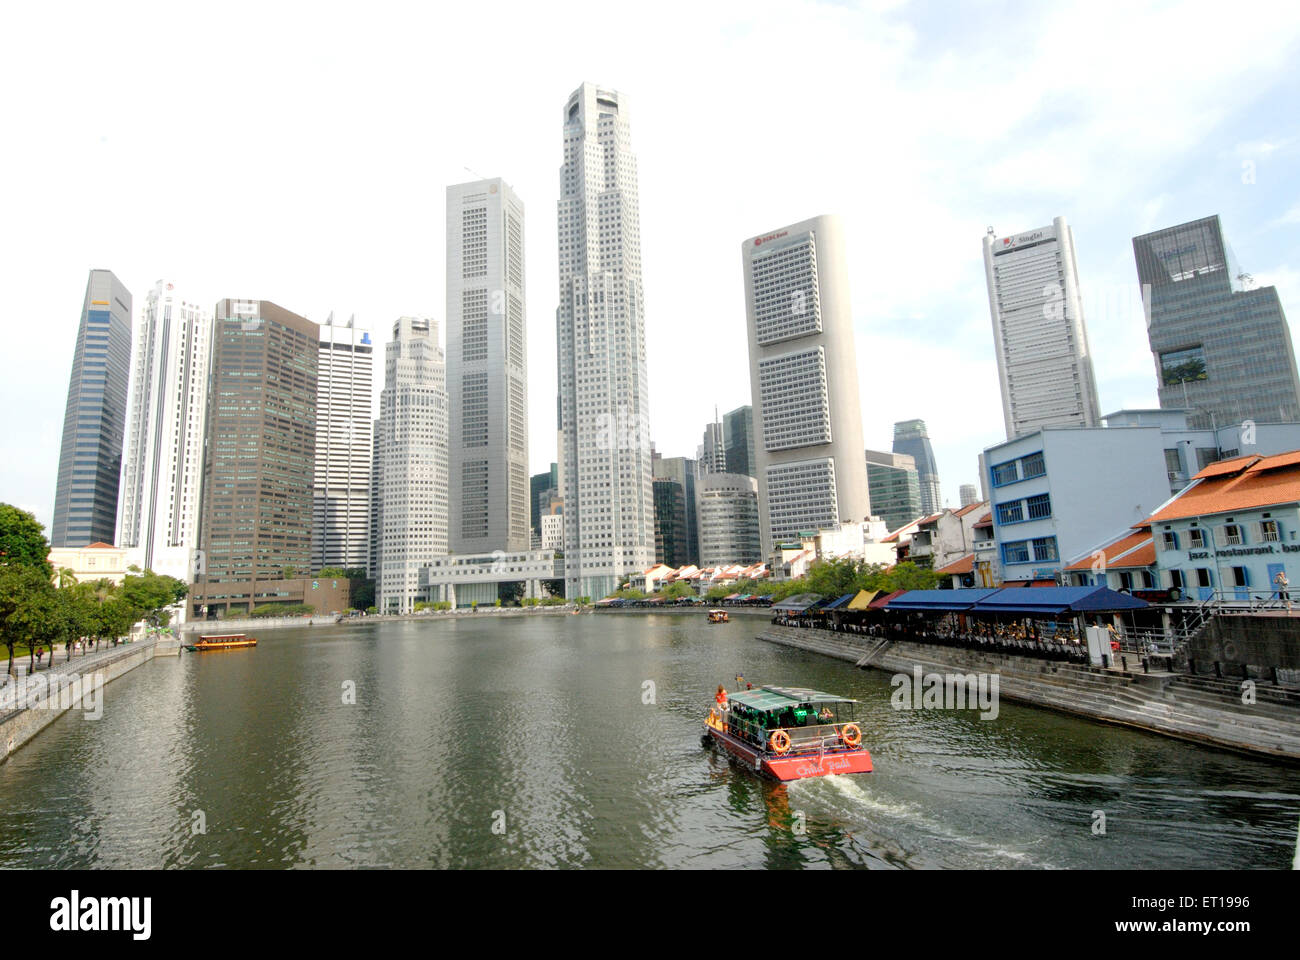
[778,698]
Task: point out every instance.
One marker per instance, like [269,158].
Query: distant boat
[228,641]
[719,616]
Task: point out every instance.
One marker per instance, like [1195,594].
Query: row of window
[1038,550]
[1227,535]
[1019,511]
[1022,468]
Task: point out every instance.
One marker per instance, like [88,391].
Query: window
[1176,579]
[1240,577]
[1170,540]
[1196,538]
[1177,366]
[1173,463]
[1010,512]
[1269,531]
[1203,578]
[1045,549]
[1232,534]
[1032,466]
[1015,552]
[1004,473]
[1039,507]
[1126,580]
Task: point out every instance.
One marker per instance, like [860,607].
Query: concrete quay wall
[64,688]
[1158,703]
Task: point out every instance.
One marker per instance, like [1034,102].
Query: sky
[300,153]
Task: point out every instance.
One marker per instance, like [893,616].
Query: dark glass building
[94,421]
[541,487]
[912,438]
[260,456]
[684,471]
[895,488]
[738,437]
[1222,350]
[670,523]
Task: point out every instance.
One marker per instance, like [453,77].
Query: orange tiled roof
[986,520]
[99,545]
[965,565]
[967,509]
[1240,484]
[1117,550]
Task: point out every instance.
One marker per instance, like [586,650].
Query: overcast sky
[300,152]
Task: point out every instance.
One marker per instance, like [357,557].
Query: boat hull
[848,760]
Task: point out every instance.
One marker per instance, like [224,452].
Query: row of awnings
[1042,601]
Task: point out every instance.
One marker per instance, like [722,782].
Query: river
[528,742]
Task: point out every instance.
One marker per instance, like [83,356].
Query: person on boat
[721,697]
[826,716]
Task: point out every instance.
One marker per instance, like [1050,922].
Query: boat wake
[850,802]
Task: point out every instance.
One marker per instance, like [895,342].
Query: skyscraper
[895,488]
[968,494]
[162,469]
[487,370]
[1044,365]
[344,447]
[261,454]
[738,435]
[728,508]
[541,487]
[600,326]
[685,472]
[413,462]
[94,420]
[1222,348]
[712,454]
[912,438]
[803,380]
[670,523]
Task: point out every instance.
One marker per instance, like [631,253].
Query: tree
[509,594]
[28,606]
[149,594]
[332,573]
[22,540]
[677,590]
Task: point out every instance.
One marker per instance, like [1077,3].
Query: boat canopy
[796,604]
[779,698]
[1046,601]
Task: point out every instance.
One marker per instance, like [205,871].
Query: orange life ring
[851,734]
[780,741]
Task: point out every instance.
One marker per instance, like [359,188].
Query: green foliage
[627,593]
[528,602]
[372,610]
[22,540]
[552,601]
[281,609]
[442,605]
[677,590]
[332,573]
[149,595]
[28,606]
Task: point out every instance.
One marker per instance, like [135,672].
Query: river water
[526,742]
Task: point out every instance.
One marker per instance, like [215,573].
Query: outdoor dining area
[1044,622]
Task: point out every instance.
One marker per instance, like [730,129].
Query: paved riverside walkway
[86,661]
[1171,704]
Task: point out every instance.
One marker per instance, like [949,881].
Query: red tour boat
[789,732]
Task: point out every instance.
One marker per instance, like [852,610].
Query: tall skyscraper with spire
[94,421]
[162,469]
[600,328]
[487,369]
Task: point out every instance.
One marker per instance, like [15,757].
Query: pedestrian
[1282,583]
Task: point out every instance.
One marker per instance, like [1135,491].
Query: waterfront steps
[1184,707]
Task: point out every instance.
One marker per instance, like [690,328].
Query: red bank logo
[759,241]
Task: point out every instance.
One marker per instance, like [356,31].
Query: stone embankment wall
[64,687]
[1191,708]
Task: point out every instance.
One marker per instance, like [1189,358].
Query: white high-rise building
[412,445]
[487,370]
[341,490]
[162,462]
[804,381]
[1044,366]
[600,323]
[727,506]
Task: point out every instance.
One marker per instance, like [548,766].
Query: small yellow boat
[229,641]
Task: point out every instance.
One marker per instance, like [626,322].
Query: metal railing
[813,738]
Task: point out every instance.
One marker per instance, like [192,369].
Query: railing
[814,738]
[47,683]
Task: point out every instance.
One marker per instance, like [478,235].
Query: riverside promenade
[1204,710]
[30,703]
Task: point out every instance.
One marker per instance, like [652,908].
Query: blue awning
[840,601]
[951,600]
[796,604]
[1058,600]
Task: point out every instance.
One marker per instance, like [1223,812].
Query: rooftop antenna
[352,321]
